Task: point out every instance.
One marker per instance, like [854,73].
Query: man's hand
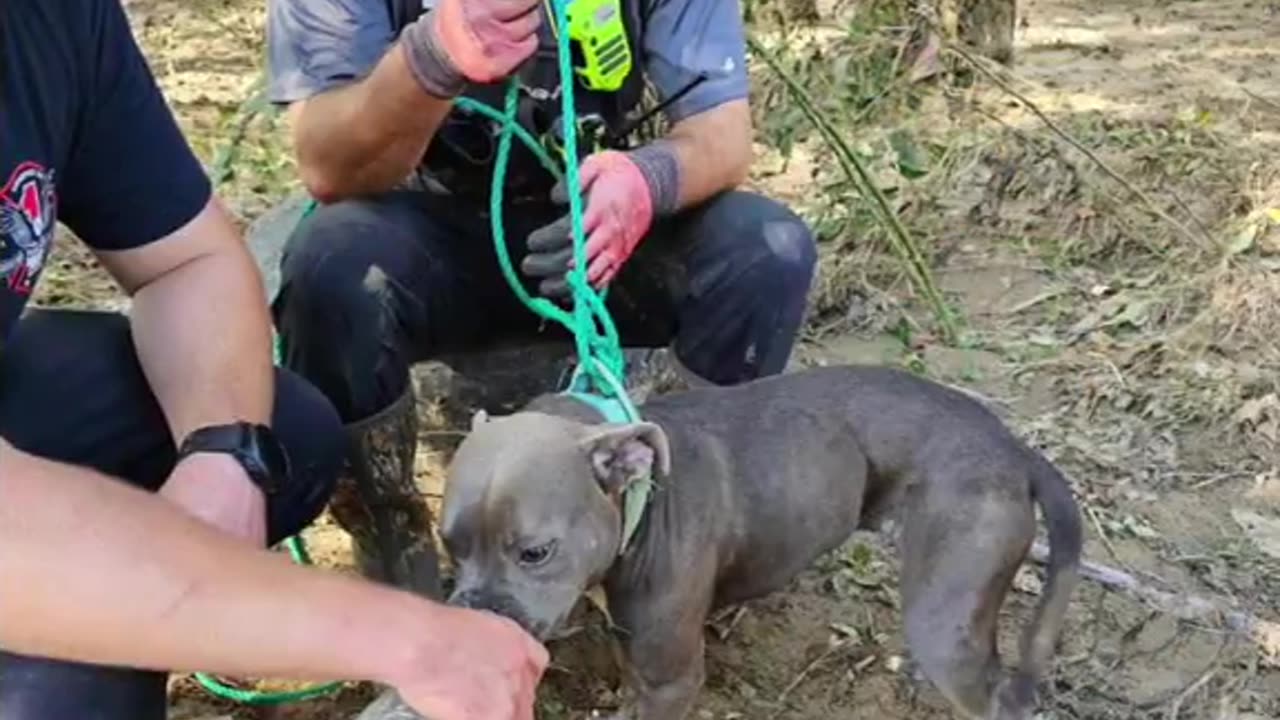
[479,666]
[214,488]
[477,40]
[624,192]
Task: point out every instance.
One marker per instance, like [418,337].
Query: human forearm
[203,339]
[712,151]
[203,335]
[110,574]
[367,136]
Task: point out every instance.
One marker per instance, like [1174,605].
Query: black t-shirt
[85,139]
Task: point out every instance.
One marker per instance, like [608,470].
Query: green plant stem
[253,106]
[900,240]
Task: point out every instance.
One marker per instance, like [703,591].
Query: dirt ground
[1125,326]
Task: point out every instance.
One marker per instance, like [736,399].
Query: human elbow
[320,156]
[331,178]
[318,175]
[322,184]
[735,147]
[740,157]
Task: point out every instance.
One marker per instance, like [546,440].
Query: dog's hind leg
[959,556]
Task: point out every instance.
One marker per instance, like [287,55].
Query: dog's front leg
[662,685]
[662,658]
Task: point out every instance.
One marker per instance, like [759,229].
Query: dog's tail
[1062,518]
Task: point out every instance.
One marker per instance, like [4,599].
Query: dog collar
[635,498]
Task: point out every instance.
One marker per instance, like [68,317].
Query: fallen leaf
[845,631]
[927,62]
[1266,488]
[1243,240]
[597,598]
[1263,530]
[1267,635]
[1254,410]
[1026,581]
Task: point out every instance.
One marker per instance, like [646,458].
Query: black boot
[379,504]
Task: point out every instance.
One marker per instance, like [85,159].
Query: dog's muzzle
[499,604]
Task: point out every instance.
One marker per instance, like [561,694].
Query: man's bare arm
[367,136]
[110,574]
[200,323]
[713,151]
[93,570]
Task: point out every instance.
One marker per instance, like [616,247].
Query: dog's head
[532,513]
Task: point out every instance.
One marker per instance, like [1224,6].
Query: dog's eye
[537,554]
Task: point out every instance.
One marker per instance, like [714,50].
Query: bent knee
[792,252]
[768,234]
[323,263]
[312,433]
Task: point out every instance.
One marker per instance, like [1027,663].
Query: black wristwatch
[255,447]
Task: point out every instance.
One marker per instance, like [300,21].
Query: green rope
[595,335]
[601,362]
[261,697]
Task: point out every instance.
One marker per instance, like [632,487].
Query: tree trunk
[986,26]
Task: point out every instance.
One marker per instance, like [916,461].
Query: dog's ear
[481,417]
[622,454]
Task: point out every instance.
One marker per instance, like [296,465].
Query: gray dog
[754,482]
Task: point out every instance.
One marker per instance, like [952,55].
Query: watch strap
[253,446]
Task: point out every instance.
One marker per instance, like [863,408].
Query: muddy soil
[1186,506]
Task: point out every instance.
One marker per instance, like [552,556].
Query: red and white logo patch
[28,215]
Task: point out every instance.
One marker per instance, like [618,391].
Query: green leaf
[913,162]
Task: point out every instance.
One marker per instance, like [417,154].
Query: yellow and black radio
[599,33]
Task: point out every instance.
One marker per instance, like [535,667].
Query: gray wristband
[661,169]
[428,62]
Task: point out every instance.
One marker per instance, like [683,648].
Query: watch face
[255,447]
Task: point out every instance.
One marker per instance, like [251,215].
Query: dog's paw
[910,680]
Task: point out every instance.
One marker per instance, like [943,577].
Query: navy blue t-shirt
[85,138]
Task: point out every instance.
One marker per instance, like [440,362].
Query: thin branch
[1073,142]
[1102,534]
[1176,707]
[254,104]
[1200,224]
[1269,104]
[1264,633]
[827,654]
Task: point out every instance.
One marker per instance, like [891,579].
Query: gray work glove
[626,192]
[550,250]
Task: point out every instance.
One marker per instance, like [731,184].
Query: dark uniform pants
[370,286]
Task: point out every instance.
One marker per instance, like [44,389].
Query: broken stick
[1265,633]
